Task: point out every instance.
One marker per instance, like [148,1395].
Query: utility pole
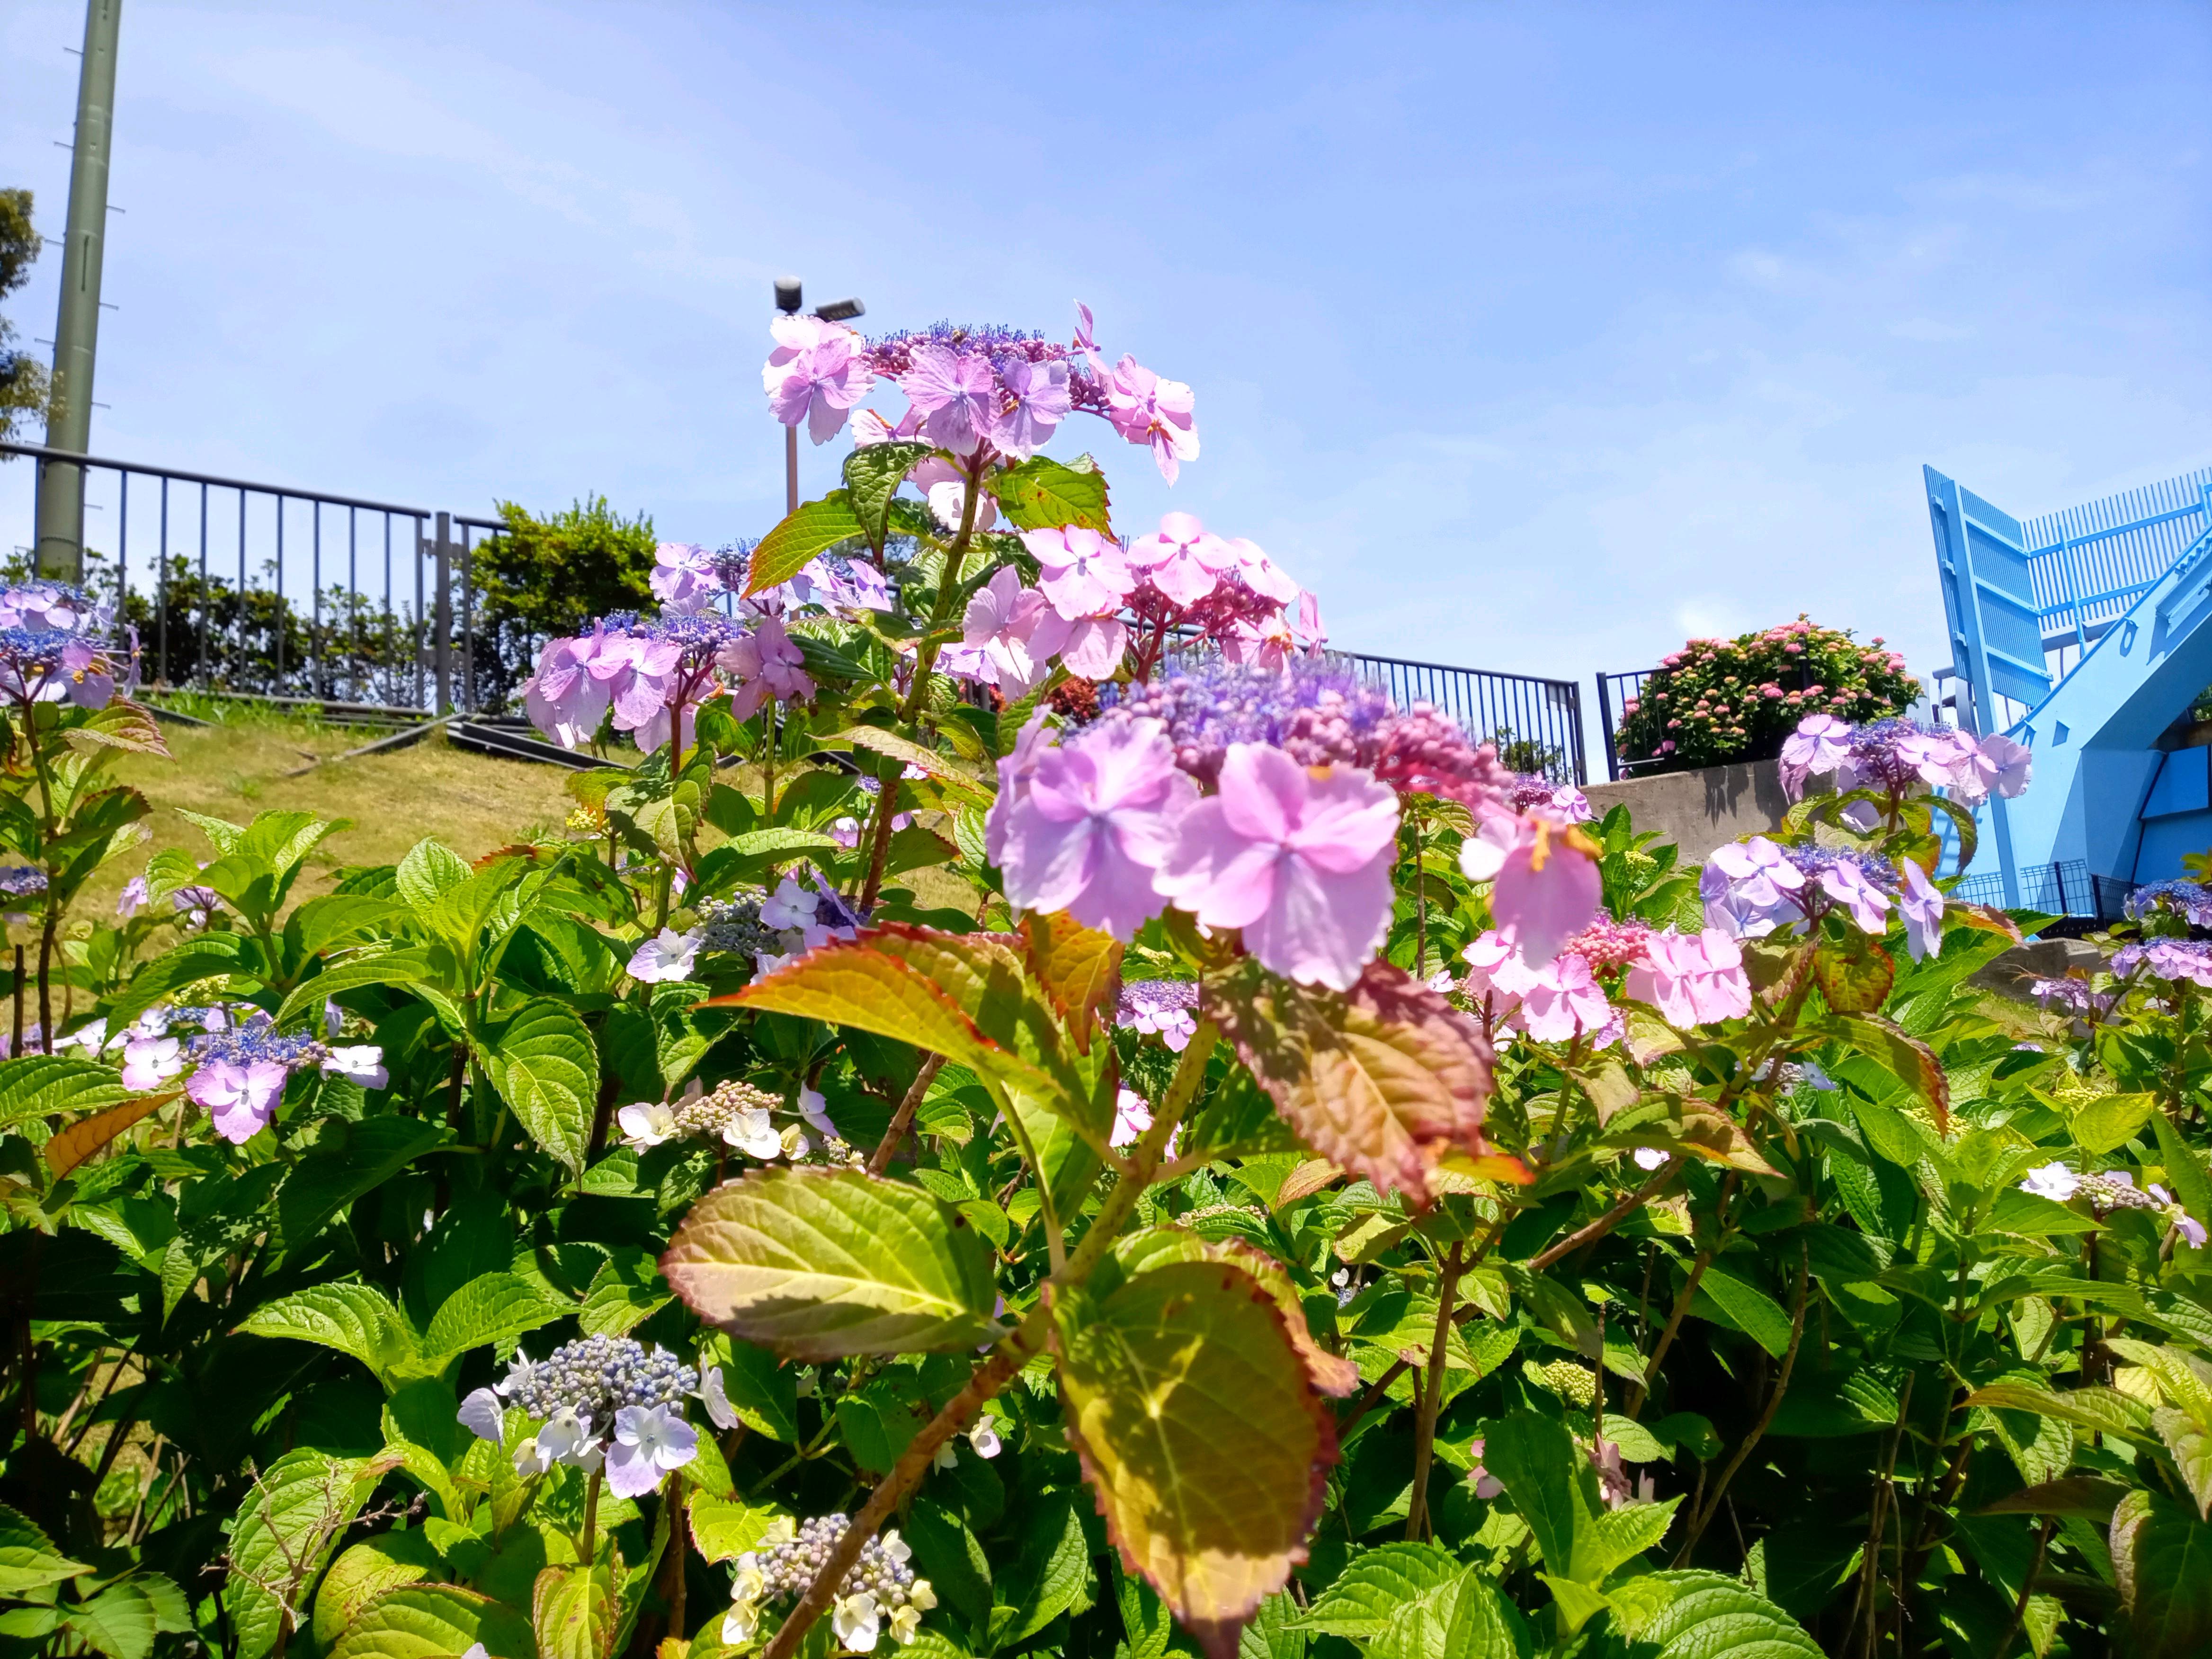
[76,331]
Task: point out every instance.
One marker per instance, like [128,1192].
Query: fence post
[1605,724]
[1575,716]
[2058,875]
[441,643]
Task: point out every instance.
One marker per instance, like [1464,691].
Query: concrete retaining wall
[1700,810]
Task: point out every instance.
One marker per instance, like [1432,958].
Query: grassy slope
[232,771]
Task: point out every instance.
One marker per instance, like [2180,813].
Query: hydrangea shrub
[928,1160]
[1716,702]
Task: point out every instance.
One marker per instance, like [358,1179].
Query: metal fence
[1537,724]
[2065,889]
[1615,693]
[265,590]
[262,590]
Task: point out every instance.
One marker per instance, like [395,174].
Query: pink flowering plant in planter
[1717,701]
[1029,1110]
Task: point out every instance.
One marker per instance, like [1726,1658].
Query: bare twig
[880,1159]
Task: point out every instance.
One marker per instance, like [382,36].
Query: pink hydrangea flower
[816,373]
[1562,1002]
[1546,886]
[1018,631]
[1922,903]
[638,673]
[957,394]
[149,1061]
[1182,557]
[1015,769]
[1040,402]
[684,577]
[1147,410]
[1307,630]
[1099,814]
[1821,743]
[768,663]
[1495,975]
[1693,979]
[563,699]
[1299,857]
[1261,574]
[240,1099]
[1999,765]
[1094,647]
[1083,574]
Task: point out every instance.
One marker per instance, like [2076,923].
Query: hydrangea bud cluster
[1166,1008]
[744,1117]
[1530,789]
[1570,1380]
[595,1376]
[2191,901]
[2110,1190]
[880,1590]
[57,644]
[775,929]
[601,1400]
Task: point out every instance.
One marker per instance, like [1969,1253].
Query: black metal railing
[1536,723]
[2064,889]
[1615,693]
[265,590]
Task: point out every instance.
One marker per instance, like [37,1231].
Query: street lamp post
[787,301]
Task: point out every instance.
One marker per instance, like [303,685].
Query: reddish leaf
[1079,967]
[1382,1080]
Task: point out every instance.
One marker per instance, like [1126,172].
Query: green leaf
[1358,1606]
[492,1308]
[763,1391]
[349,1157]
[2189,1443]
[1201,1437]
[2162,1560]
[545,1067]
[623,1294]
[1911,1061]
[38,1084]
[432,1621]
[1381,1080]
[1042,494]
[1612,1537]
[286,1527]
[1470,1618]
[339,919]
[2102,1411]
[2184,1170]
[379,967]
[428,872]
[1855,976]
[820,1265]
[121,1621]
[28,1559]
[2110,1121]
[1890,1134]
[815,528]
[574,1609]
[854,984]
[355,1319]
[779,842]
[201,956]
[365,1572]
[1702,1615]
[1749,1309]
[873,473]
[723,1528]
[1550,1483]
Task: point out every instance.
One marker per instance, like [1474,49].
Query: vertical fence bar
[162,603]
[442,647]
[315,632]
[468,622]
[123,544]
[238,653]
[277,685]
[418,611]
[200,632]
[353,602]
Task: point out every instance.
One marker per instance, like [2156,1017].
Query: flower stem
[1424,1433]
[588,1539]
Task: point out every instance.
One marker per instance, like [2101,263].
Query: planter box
[1700,810]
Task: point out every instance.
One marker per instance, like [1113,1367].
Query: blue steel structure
[2085,634]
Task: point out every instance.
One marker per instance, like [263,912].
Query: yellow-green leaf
[435,1621]
[821,1264]
[1201,1435]
[815,527]
[573,1611]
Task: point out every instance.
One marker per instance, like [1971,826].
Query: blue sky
[1532,337]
